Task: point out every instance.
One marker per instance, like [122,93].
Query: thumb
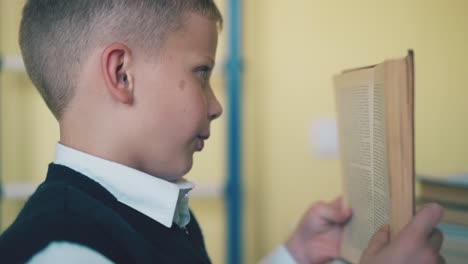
[378,241]
[424,221]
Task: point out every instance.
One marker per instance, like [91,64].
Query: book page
[362,133]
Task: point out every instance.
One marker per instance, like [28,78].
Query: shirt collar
[163,201]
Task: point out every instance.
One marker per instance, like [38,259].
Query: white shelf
[12,63]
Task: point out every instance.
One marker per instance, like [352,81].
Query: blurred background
[290,52]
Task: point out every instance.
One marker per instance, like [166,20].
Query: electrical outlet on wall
[324,138]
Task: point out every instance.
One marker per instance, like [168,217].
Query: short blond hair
[56,36]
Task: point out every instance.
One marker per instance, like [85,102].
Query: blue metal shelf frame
[233,191]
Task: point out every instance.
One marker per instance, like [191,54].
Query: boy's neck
[87,138]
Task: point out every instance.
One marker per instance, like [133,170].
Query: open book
[375,127]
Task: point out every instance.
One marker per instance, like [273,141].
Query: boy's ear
[115,65]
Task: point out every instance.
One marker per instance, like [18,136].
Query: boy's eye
[204,72]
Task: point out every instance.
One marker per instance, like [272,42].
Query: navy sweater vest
[69,206]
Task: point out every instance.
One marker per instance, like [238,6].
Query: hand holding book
[317,238]
[417,243]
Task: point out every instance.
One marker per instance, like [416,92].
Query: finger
[435,239]
[329,213]
[338,204]
[425,220]
[378,241]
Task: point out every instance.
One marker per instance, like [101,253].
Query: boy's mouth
[201,142]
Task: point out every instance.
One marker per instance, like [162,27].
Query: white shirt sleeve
[66,252]
[279,256]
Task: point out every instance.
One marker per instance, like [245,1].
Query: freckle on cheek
[182,85]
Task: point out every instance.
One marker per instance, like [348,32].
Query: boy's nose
[216,110]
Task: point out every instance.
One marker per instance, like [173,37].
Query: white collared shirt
[163,201]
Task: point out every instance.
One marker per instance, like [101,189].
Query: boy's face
[173,100]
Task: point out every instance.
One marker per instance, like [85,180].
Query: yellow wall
[292,48]
[27,129]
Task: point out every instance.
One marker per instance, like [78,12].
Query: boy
[128,82]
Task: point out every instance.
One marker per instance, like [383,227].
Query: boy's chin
[172,171]
[179,171]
